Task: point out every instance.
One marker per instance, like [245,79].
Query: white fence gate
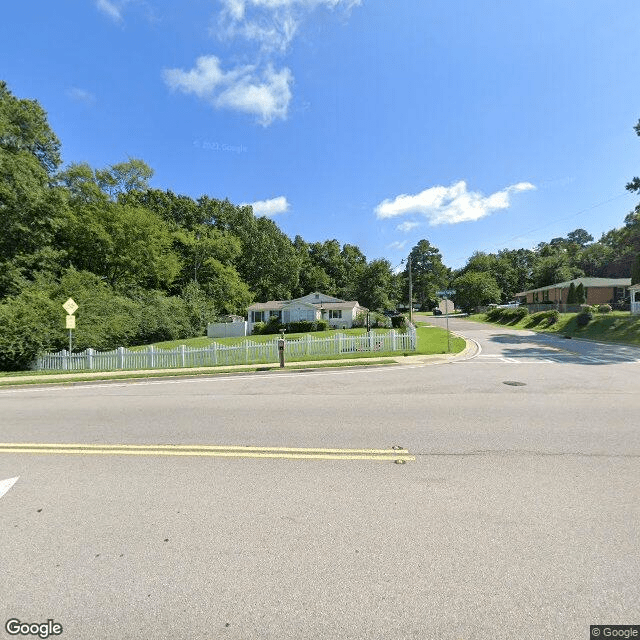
[248,352]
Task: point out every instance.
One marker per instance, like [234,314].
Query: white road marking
[5,485]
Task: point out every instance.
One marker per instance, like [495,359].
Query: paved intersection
[517,518]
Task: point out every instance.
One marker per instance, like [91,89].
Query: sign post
[281,343]
[70,307]
[446,293]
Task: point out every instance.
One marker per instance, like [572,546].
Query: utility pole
[410,293]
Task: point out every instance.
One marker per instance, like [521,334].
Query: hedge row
[549,317]
[274,326]
[505,316]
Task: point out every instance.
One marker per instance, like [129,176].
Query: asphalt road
[518,518]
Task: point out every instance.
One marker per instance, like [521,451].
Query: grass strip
[177,373]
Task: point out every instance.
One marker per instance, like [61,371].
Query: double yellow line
[398,455]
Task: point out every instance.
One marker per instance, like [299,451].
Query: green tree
[428,273]
[635,271]
[32,212]
[571,294]
[268,262]
[475,289]
[580,237]
[128,246]
[354,264]
[376,289]
[580,294]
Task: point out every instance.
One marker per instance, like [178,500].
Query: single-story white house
[314,306]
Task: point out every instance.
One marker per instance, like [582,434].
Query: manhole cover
[515,383]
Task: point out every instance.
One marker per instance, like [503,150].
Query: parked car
[437,312]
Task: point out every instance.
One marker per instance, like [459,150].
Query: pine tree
[571,295]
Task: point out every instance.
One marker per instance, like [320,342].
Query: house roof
[586,282]
[339,305]
[271,304]
[328,302]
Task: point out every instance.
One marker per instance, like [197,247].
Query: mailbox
[281,344]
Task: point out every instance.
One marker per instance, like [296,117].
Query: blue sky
[478,125]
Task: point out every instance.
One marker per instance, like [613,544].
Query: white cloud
[269,208]
[397,245]
[111,9]
[407,226]
[449,205]
[81,95]
[264,94]
[271,23]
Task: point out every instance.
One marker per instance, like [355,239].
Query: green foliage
[273,325]
[376,286]
[635,270]
[571,294]
[584,318]
[508,316]
[322,325]
[302,326]
[547,318]
[474,289]
[27,327]
[24,128]
[429,274]
[360,320]
[268,263]
[580,294]
[127,246]
[399,322]
[604,308]
[258,328]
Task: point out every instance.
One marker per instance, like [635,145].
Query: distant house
[314,306]
[597,291]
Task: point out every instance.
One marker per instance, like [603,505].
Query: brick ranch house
[314,306]
[597,291]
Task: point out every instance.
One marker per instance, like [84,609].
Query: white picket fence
[248,352]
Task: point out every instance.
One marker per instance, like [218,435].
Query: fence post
[370,341]
[120,358]
[65,359]
[89,358]
[182,360]
[393,340]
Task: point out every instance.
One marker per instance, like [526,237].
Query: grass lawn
[617,326]
[431,340]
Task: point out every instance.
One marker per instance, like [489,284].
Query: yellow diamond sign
[70,306]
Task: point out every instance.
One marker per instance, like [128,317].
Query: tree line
[147,264]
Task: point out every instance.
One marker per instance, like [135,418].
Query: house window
[258,316]
[335,314]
